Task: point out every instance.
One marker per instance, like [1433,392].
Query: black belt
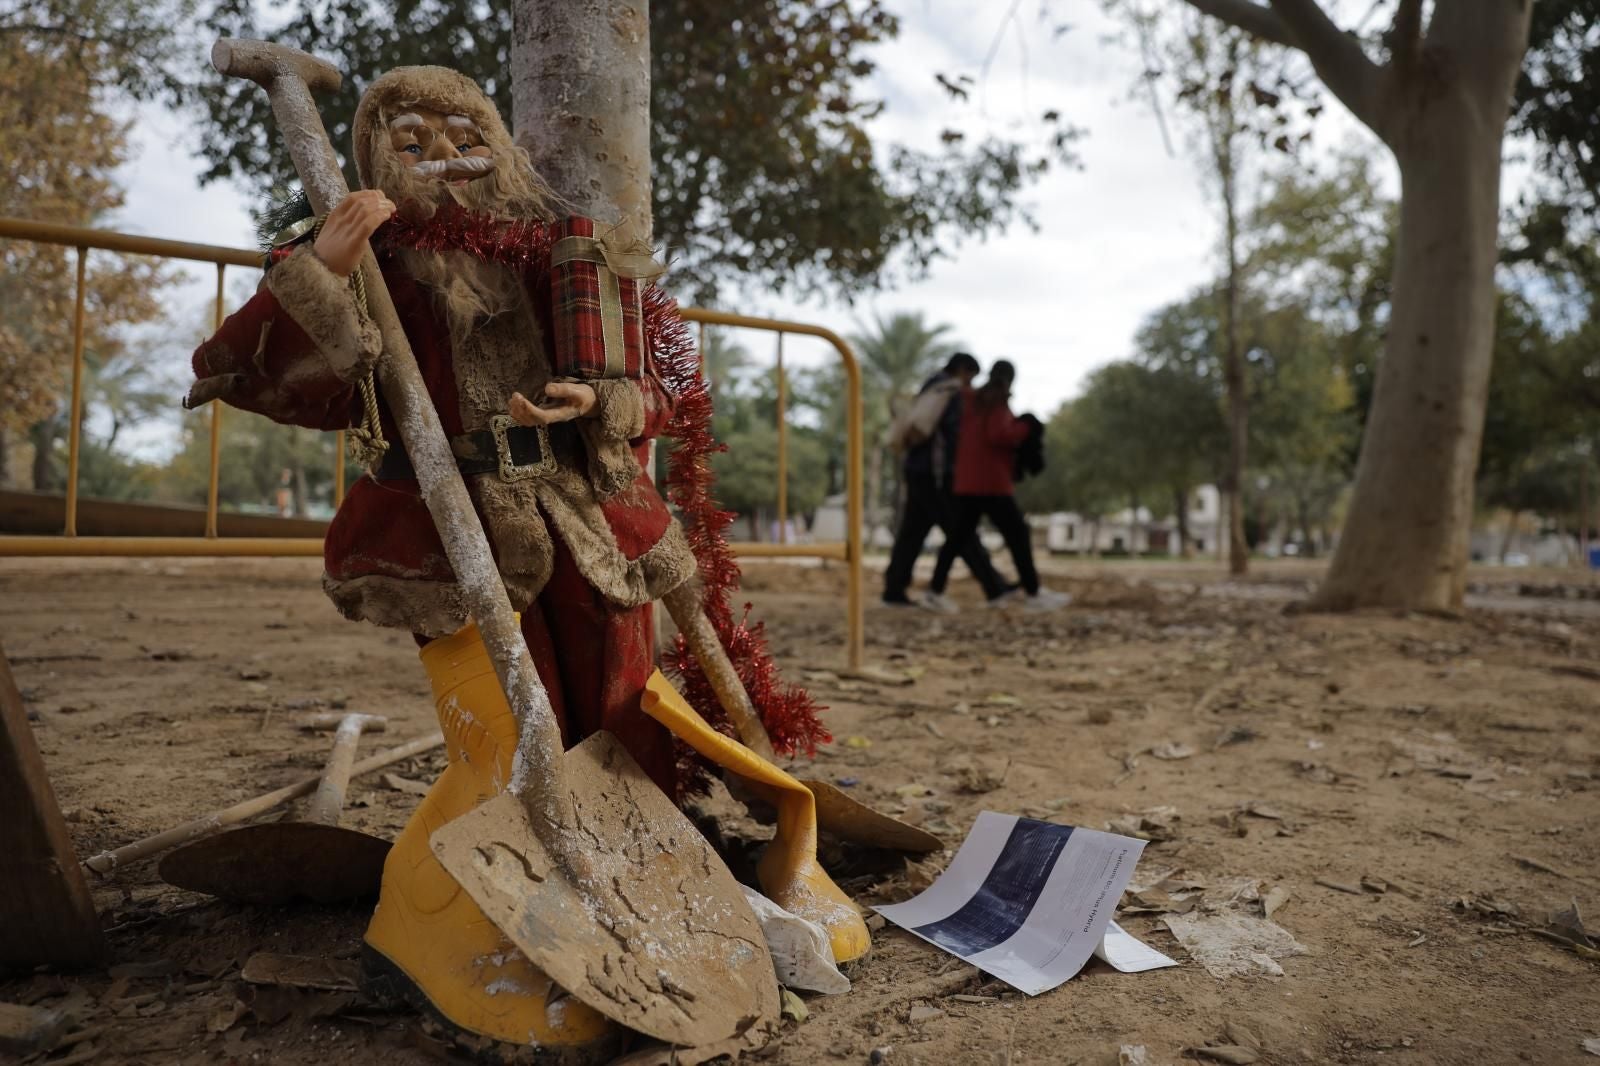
[513,451]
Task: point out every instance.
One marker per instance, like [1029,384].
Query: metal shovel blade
[280,862]
[658,938]
[849,819]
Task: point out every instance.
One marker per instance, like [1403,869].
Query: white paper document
[1128,953]
[1027,901]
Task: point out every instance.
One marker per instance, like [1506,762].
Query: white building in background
[1066,533]
[1125,532]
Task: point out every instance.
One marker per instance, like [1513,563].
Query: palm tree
[897,355]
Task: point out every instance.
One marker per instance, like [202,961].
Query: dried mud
[1451,763]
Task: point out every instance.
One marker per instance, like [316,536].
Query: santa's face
[440,146]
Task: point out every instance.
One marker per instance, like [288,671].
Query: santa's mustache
[466,166]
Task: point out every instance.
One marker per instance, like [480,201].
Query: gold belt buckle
[499,426]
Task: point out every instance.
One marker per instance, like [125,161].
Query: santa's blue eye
[414,149]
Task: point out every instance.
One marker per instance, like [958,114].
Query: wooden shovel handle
[683,603]
[327,805]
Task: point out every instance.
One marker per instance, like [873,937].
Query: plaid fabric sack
[596,290]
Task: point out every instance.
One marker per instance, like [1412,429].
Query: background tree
[1323,240]
[1221,79]
[1440,101]
[57,164]
[763,164]
[747,475]
[259,458]
[1306,421]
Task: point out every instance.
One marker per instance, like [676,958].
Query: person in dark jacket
[927,433]
[986,456]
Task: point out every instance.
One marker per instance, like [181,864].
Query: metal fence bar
[72,545]
[175,547]
[783,448]
[75,411]
[855,604]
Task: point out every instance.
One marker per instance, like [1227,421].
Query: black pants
[1007,518]
[926,507]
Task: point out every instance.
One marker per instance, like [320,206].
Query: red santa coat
[594,532]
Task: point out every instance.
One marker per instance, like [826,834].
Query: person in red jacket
[986,452]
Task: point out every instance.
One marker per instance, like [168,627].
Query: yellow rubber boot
[428,942]
[788,871]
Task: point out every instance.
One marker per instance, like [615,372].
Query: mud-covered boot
[789,873]
[428,943]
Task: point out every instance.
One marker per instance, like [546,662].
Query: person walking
[985,459]
[926,432]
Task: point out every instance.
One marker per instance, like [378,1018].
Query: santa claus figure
[464,229]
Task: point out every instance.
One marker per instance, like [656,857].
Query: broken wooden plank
[302,971]
[46,913]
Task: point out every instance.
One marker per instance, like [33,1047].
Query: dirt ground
[1445,773]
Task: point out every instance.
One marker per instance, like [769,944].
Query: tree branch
[1405,34]
[1338,57]
[1254,19]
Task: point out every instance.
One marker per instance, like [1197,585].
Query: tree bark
[1134,526]
[1441,105]
[1180,503]
[580,90]
[1233,357]
[1406,538]
[1511,533]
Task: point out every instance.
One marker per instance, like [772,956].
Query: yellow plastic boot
[429,943]
[788,871]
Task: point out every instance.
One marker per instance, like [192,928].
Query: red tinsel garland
[788,711]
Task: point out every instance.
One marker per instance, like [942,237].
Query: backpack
[1029,459]
[915,424]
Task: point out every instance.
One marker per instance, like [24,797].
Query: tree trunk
[1511,533]
[580,91]
[874,507]
[1180,503]
[1405,541]
[1134,526]
[44,436]
[1233,357]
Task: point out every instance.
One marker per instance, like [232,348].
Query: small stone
[880,1055]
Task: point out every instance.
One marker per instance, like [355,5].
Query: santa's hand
[347,227]
[564,401]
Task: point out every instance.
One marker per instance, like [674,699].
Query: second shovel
[279,862]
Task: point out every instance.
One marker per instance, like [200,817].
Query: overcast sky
[1128,232]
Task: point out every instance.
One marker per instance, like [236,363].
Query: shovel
[279,862]
[583,863]
[837,813]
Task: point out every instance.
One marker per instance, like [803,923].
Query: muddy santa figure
[550,439]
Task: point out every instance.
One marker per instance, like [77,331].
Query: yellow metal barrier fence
[69,543]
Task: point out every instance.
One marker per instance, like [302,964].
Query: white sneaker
[1047,600]
[1006,599]
[937,601]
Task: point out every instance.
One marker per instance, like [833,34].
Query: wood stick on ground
[107,861]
